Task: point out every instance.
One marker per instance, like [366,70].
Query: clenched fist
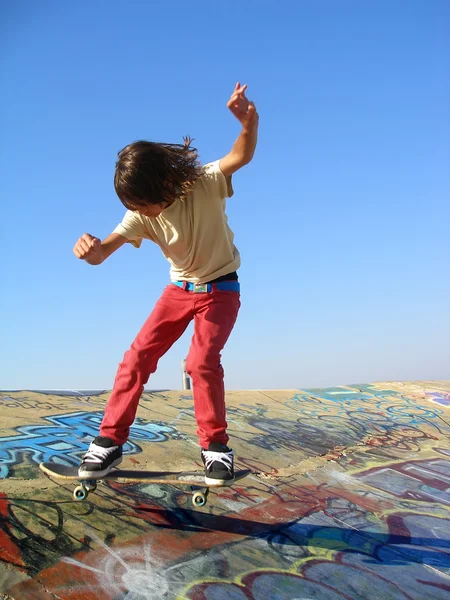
[89,248]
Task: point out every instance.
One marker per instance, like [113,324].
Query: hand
[242,108]
[88,248]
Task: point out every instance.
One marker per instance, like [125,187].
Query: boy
[180,206]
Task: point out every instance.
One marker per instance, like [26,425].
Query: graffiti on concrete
[67,438]
[372,515]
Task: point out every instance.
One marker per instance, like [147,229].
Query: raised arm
[244,147]
[93,251]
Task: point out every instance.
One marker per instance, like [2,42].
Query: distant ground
[349,498]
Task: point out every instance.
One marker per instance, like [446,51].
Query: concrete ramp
[349,498]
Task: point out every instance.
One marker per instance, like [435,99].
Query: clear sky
[342,219]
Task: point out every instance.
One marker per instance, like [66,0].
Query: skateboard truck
[81,492]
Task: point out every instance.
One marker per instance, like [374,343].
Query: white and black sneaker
[219,466]
[103,454]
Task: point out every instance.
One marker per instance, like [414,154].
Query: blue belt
[204,288]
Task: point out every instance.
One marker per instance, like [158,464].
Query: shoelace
[226,458]
[97,454]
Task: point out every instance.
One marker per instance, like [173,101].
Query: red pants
[214,316]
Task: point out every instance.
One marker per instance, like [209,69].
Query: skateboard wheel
[80,493]
[199,499]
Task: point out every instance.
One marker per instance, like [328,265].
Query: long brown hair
[155,173]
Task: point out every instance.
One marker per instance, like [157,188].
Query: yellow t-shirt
[193,234]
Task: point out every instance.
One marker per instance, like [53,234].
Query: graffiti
[287,435]
[35,534]
[440,398]
[65,441]
[131,570]
[29,526]
[261,585]
[47,401]
[424,481]
[374,514]
[153,396]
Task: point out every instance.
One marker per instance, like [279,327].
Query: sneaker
[219,467]
[103,454]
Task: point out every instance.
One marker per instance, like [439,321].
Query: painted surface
[350,499]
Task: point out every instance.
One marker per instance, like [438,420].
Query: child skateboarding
[180,206]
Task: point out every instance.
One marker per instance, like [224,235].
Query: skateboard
[193,480]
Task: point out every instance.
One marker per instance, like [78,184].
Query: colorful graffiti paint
[349,497]
[65,440]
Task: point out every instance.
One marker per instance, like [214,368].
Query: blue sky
[342,219]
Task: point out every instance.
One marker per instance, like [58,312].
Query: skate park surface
[349,498]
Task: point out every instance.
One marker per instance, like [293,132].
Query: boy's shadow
[388,549]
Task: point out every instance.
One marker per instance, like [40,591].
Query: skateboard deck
[194,479]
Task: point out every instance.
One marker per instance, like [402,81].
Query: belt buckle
[200,288]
